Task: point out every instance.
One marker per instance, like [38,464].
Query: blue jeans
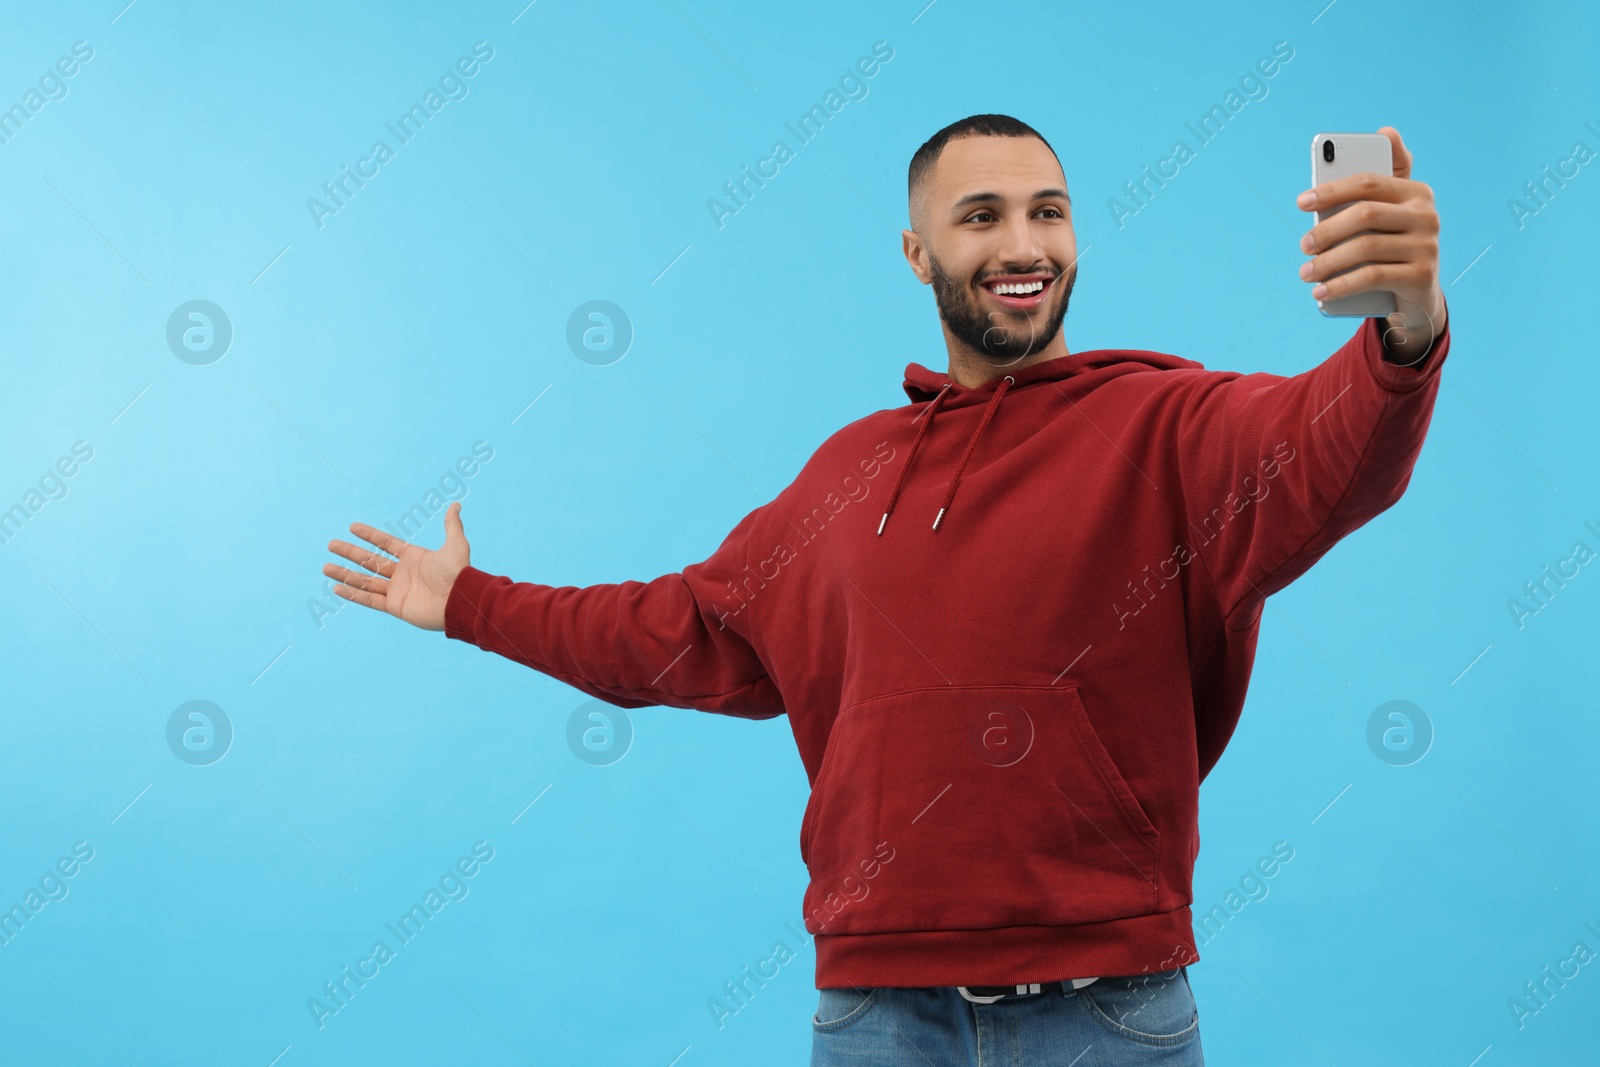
[1114,1022]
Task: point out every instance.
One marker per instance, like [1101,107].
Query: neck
[970,368]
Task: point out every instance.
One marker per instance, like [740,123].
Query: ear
[916,255]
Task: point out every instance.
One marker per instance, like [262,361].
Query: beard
[1002,337]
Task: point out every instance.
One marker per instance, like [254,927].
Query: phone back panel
[1354,153]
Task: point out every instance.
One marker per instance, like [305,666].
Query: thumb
[454,534]
[1402,155]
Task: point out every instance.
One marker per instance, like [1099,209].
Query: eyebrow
[973,199]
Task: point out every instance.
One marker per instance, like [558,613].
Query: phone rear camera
[1327,151]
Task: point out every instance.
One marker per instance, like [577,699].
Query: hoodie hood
[922,383]
[938,389]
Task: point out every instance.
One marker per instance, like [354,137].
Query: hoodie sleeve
[1277,470]
[635,644]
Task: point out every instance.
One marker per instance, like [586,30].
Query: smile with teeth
[1023,296]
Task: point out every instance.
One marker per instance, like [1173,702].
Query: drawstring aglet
[881,522]
[938,518]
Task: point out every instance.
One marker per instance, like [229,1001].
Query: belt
[989,994]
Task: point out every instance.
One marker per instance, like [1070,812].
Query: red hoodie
[1005,719]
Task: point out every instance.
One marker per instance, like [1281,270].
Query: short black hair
[973,125]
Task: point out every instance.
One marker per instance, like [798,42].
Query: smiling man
[1005,709]
[987,279]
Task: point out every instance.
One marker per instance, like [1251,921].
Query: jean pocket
[838,1008]
[973,807]
[1149,1009]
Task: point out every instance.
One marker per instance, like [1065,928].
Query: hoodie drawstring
[916,443]
[955,478]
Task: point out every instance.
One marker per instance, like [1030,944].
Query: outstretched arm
[632,644]
[1277,470]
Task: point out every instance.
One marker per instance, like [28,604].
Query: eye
[979,216]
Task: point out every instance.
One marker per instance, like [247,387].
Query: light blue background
[428,313]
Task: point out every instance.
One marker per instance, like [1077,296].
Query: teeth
[1018,289]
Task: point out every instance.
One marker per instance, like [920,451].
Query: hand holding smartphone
[1339,155]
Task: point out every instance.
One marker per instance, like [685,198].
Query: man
[1012,622]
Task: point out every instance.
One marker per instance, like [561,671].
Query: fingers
[1364,186]
[389,543]
[367,558]
[1367,248]
[371,600]
[355,579]
[1394,277]
[1415,216]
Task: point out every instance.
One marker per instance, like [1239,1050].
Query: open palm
[411,582]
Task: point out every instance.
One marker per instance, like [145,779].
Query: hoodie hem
[1007,955]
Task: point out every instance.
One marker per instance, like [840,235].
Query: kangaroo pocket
[972,807]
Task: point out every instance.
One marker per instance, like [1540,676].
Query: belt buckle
[1021,990]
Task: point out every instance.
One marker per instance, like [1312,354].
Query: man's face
[996,214]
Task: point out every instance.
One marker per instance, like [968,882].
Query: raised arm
[631,644]
[1277,469]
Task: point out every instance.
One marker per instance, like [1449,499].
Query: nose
[1020,243]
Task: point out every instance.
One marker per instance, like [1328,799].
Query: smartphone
[1339,155]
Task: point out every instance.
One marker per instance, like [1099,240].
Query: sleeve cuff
[461,609]
[1393,376]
